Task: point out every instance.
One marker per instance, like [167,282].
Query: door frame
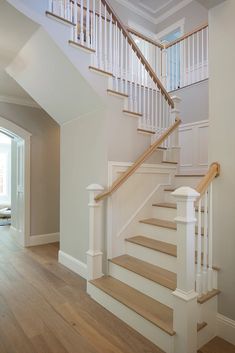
[13,129]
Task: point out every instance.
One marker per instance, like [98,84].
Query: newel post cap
[176,99]
[185,192]
[95,187]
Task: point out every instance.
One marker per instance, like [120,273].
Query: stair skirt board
[155,257]
[154,334]
[143,285]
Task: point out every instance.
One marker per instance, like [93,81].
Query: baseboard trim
[35,240]
[73,264]
[226,328]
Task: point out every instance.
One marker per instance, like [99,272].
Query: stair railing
[190,285]
[96,27]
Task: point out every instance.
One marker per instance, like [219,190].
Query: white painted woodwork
[94,254]
[143,326]
[193,139]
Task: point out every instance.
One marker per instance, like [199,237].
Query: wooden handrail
[186,35]
[131,170]
[138,53]
[147,39]
[212,173]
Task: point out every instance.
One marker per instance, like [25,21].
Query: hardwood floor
[44,308]
[218,345]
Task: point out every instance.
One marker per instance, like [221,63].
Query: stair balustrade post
[94,254]
[185,296]
[164,64]
[173,152]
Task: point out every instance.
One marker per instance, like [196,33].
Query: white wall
[45,174]
[222,146]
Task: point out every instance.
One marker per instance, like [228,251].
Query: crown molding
[19,101]
[157,10]
[152,19]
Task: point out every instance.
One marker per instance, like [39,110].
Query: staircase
[158,275]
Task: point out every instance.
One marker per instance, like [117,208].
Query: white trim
[26,136]
[28,102]
[225,328]
[171,28]
[35,240]
[196,123]
[153,19]
[73,264]
[148,8]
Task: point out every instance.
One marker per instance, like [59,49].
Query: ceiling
[15,31]
[153,7]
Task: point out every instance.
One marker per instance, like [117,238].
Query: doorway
[15,181]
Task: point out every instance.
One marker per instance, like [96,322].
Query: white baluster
[207,53]
[111,44]
[205,245]
[152,111]
[210,241]
[199,250]
[197,49]
[121,64]
[50,5]
[193,64]
[202,57]
[81,22]
[100,36]
[88,24]
[94,25]
[75,19]
[105,40]
[164,67]
[181,54]
[126,73]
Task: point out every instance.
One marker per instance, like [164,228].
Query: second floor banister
[98,29]
[143,157]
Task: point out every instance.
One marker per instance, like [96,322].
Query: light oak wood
[205,297]
[212,173]
[116,93]
[189,175]
[93,68]
[165,224]
[147,39]
[186,35]
[44,307]
[169,162]
[143,157]
[139,53]
[135,114]
[172,205]
[201,326]
[146,131]
[166,248]
[150,309]
[83,47]
[170,189]
[217,345]
[153,273]
[57,17]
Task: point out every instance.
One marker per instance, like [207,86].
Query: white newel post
[174,150]
[185,296]
[164,65]
[94,254]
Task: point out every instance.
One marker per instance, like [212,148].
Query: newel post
[94,254]
[185,296]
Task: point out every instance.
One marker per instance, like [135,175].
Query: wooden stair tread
[57,17]
[100,71]
[153,273]
[159,223]
[150,309]
[171,205]
[189,175]
[153,244]
[146,131]
[72,42]
[217,345]
[164,224]
[170,189]
[169,162]
[201,326]
[205,297]
[132,113]
[117,93]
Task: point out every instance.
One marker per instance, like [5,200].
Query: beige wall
[45,161]
[222,146]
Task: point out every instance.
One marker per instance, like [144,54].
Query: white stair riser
[158,233]
[137,322]
[169,214]
[144,285]
[207,313]
[154,257]
[168,197]
[186,181]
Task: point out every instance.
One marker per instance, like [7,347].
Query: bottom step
[147,316]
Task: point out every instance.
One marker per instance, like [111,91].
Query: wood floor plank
[218,345]
[49,310]
[154,244]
